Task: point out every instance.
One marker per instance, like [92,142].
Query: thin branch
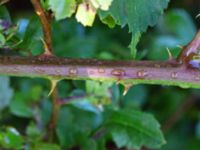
[54,115]
[67,100]
[45,21]
[183,108]
[3,2]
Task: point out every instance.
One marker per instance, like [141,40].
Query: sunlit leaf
[62,8]
[102,4]
[86,14]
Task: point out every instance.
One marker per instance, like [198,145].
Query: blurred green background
[26,108]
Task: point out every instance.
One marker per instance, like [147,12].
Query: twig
[187,104]
[67,100]
[45,21]
[3,2]
[54,115]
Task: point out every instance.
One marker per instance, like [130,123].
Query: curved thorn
[169,54]
[198,16]
[53,86]
[126,88]
[46,50]
[179,46]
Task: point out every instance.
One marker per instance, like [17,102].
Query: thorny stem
[45,21]
[126,72]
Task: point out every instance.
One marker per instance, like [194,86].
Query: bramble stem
[147,72]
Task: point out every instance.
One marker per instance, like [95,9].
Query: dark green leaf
[137,14]
[136,97]
[134,129]
[178,28]
[21,105]
[73,130]
[4,14]
[5,92]
[32,39]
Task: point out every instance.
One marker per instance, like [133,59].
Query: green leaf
[135,97]
[62,8]
[6,92]
[80,127]
[32,37]
[2,40]
[134,129]
[102,4]
[4,14]
[21,105]
[11,139]
[33,132]
[45,146]
[137,14]
[94,87]
[109,21]
[180,24]
[176,28]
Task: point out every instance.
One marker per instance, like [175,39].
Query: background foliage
[97,115]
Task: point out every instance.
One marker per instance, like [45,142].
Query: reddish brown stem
[183,108]
[54,115]
[45,21]
[191,49]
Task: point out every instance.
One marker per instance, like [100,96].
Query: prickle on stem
[169,54]
[47,52]
[53,86]
[126,88]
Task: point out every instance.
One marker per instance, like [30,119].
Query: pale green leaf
[62,8]
[86,14]
[134,129]
[101,4]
